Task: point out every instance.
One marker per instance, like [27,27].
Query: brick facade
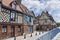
[8,33]
[21,11]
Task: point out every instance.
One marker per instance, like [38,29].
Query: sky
[53,7]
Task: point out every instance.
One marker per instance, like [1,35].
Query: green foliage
[58,24]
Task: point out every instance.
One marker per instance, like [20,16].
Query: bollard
[31,35]
[24,35]
[39,33]
[14,37]
[36,33]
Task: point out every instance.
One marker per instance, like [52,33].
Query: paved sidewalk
[28,36]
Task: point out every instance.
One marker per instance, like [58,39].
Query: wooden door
[12,31]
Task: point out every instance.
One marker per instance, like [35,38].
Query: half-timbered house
[15,19]
[46,21]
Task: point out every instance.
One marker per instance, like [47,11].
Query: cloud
[53,6]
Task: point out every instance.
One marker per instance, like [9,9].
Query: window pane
[30,19]
[12,16]
[4,29]
[13,6]
[11,29]
[27,19]
[29,29]
[19,28]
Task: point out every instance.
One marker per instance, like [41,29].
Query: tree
[58,24]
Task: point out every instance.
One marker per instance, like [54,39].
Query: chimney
[18,1]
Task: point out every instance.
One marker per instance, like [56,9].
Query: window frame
[12,19]
[19,28]
[4,29]
[13,5]
[30,19]
[29,28]
[45,20]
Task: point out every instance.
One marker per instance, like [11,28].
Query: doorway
[12,31]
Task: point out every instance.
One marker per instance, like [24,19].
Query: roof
[46,12]
[21,8]
[3,6]
[25,10]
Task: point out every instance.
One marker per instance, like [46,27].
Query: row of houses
[16,19]
[45,21]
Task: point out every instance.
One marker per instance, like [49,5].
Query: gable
[44,16]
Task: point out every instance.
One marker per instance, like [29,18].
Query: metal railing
[49,35]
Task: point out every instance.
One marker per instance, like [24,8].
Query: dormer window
[13,5]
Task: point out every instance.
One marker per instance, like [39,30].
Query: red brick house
[15,19]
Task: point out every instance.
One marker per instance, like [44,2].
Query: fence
[49,35]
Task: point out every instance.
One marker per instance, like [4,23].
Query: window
[29,29]
[27,19]
[4,29]
[30,19]
[19,28]
[12,29]
[13,6]
[46,20]
[19,19]
[12,16]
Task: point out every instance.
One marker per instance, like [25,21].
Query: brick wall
[8,33]
[26,29]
